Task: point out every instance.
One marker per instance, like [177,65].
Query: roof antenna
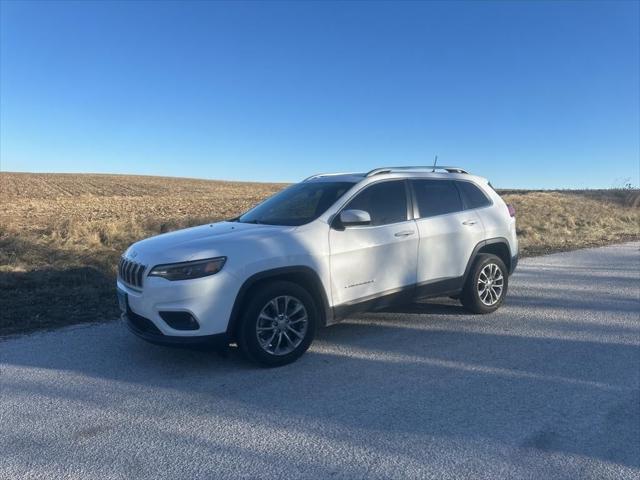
[435,160]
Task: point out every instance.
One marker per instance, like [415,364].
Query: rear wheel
[486,284]
[278,324]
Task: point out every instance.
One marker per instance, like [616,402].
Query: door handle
[469,222]
[405,233]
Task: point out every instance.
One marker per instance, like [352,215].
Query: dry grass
[61,235]
[565,220]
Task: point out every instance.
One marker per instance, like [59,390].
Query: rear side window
[386,202]
[472,196]
[436,197]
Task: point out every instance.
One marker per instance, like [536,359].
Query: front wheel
[486,284]
[278,324]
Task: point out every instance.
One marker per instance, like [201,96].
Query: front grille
[131,272]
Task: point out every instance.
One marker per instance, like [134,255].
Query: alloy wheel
[490,284]
[282,325]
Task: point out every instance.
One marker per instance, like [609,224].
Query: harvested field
[565,220]
[61,234]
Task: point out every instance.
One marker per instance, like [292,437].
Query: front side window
[436,197]
[472,196]
[298,204]
[386,202]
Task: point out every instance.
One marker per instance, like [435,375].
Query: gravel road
[547,387]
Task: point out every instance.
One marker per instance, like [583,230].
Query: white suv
[317,252]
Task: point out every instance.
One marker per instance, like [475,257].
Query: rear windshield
[298,204]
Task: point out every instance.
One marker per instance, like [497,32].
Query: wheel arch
[498,246]
[300,274]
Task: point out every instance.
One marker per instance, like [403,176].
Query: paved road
[548,387]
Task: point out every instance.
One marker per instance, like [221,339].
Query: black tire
[472,292]
[249,337]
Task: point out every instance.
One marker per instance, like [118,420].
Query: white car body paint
[352,264]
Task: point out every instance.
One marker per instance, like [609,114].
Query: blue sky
[533,95]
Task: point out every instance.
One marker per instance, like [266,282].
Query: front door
[377,260]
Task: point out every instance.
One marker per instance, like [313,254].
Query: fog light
[180,320]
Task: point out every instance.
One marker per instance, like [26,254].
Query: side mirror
[350,218]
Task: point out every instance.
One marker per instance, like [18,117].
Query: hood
[204,241]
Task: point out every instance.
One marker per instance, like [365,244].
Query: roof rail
[318,175]
[421,168]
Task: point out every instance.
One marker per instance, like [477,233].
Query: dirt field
[61,234]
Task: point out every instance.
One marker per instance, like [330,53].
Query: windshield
[298,204]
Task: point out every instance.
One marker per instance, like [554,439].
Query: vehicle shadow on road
[425,371]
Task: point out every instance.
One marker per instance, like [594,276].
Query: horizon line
[222,180]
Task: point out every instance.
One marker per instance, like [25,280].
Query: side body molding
[308,277]
[438,287]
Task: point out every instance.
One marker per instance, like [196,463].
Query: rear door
[448,234]
[379,259]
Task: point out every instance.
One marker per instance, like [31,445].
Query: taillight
[512,210]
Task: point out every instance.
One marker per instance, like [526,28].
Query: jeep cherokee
[317,252]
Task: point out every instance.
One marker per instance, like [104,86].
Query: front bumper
[208,300]
[146,330]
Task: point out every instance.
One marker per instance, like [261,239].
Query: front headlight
[189,270]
